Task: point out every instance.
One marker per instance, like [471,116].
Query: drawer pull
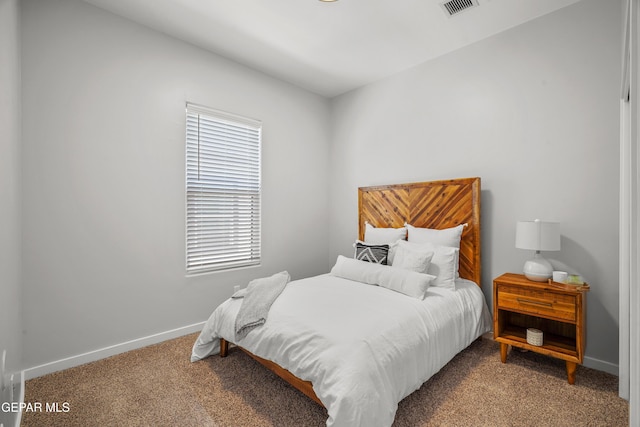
[526,301]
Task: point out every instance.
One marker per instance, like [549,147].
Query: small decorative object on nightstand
[534,336]
[556,310]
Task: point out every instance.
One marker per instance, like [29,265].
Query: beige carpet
[158,386]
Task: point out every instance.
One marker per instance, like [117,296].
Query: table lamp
[538,236]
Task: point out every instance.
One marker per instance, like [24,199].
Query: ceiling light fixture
[328,1]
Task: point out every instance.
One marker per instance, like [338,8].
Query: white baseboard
[92,356]
[600,365]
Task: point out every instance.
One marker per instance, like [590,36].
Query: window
[223,190]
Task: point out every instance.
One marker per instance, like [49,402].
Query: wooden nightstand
[558,310]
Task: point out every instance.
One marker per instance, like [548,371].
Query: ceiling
[328,48]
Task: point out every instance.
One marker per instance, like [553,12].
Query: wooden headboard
[435,204]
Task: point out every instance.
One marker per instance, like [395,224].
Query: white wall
[103,178]
[10,292]
[534,112]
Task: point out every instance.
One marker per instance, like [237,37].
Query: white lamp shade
[538,235]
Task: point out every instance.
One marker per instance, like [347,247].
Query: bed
[358,349]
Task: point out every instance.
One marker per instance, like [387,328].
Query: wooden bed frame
[434,204]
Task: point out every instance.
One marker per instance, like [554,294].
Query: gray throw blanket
[260,295]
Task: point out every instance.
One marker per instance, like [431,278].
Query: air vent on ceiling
[453,7]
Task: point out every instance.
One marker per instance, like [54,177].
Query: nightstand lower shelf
[556,345]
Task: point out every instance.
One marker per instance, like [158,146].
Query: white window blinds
[223,190]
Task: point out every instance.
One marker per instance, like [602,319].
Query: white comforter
[363,347]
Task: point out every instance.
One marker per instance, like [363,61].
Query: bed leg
[224,347]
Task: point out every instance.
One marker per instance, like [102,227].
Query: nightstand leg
[571,372]
[503,352]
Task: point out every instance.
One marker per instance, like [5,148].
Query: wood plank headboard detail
[435,204]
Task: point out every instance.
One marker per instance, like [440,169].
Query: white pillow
[383,236]
[410,257]
[444,263]
[445,237]
[406,282]
[393,248]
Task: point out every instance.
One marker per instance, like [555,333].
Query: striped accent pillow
[372,253]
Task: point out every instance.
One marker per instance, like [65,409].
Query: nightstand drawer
[539,303]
